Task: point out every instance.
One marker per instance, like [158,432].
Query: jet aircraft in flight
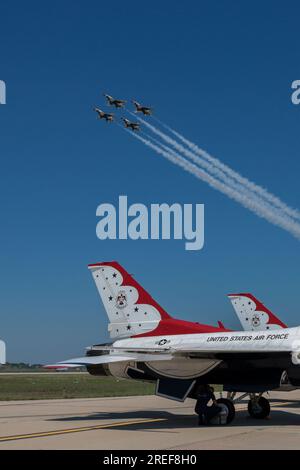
[102,115]
[134,126]
[113,102]
[142,109]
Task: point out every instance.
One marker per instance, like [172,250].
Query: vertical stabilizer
[253,314]
[130,309]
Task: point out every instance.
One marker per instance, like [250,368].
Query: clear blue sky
[219,72]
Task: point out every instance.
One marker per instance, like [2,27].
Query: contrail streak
[209,166]
[259,190]
[260,210]
[231,183]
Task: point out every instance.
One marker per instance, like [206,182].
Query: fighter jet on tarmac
[148,344]
[102,115]
[113,102]
[142,109]
[134,126]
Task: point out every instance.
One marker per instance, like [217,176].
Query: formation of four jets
[109,117]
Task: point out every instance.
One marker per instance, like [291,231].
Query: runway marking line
[73,430]
[92,428]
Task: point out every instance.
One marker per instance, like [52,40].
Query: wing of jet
[178,355]
[253,314]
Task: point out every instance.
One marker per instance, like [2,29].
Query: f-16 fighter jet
[142,109]
[147,343]
[102,115]
[134,126]
[113,102]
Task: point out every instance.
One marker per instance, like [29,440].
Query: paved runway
[143,423]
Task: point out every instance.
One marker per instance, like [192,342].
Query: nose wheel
[258,407]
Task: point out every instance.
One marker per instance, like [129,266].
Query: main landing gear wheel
[259,407]
[228,406]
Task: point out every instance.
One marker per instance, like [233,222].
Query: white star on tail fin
[130,309]
[253,314]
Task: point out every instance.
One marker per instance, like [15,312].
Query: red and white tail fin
[130,309]
[253,315]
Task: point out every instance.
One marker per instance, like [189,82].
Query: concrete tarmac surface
[146,422]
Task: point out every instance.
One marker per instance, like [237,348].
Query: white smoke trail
[257,208]
[230,182]
[213,169]
[259,190]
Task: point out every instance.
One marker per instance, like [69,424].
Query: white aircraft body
[148,344]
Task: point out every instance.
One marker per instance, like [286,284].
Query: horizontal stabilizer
[87,361]
[107,359]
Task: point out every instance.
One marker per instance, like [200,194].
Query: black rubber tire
[263,408]
[230,407]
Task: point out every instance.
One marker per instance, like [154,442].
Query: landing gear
[258,406]
[221,412]
[222,415]
[228,409]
